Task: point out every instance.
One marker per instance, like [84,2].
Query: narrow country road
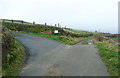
[51,58]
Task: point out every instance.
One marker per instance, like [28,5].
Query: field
[108,49]
[77,31]
[17,21]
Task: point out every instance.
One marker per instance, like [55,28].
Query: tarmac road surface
[51,58]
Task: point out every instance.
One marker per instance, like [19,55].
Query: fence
[38,28]
[28,23]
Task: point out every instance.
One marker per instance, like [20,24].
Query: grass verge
[61,38]
[16,34]
[77,31]
[109,53]
[15,58]
[85,43]
[0,71]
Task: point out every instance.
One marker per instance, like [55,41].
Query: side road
[50,58]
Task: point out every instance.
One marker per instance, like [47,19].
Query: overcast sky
[100,15]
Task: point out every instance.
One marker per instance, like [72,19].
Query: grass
[77,31]
[18,22]
[14,60]
[0,44]
[109,53]
[0,71]
[68,40]
[63,39]
[16,34]
[0,35]
[85,43]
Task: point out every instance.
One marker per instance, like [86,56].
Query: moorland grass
[18,22]
[15,58]
[77,31]
[85,43]
[16,34]
[109,53]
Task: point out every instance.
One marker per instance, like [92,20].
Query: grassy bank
[61,38]
[109,53]
[77,31]
[16,34]
[29,28]
[14,59]
[85,43]
[16,21]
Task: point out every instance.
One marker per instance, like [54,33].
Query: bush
[99,37]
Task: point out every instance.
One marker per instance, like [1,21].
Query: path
[51,58]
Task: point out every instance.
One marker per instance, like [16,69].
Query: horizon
[77,14]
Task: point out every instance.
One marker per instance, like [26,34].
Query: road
[51,58]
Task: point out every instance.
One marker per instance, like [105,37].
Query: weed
[109,53]
[14,59]
[85,43]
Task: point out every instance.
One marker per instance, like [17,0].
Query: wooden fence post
[3,20]
[12,20]
[65,27]
[22,22]
[58,24]
[33,22]
[45,24]
[55,25]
